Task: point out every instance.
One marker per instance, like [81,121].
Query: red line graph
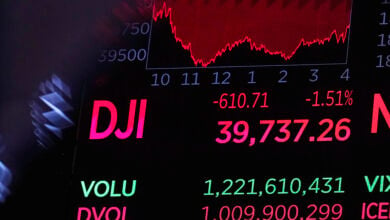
[208,30]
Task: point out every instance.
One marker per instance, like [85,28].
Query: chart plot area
[249,33]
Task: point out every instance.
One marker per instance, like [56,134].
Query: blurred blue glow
[50,111]
[5,181]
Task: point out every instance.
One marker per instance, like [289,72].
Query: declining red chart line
[208,30]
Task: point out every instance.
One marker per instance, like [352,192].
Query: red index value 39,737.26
[283,131]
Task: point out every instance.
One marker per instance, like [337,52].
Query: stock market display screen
[195,110]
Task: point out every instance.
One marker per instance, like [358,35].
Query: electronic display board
[196,109]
